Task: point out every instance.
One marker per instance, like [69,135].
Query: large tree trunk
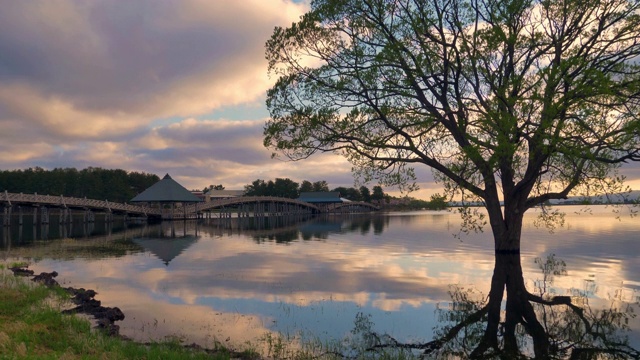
[507,274]
[507,229]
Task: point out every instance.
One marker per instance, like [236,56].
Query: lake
[243,281]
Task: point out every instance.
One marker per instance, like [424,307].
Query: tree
[94,183]
[513,100]
[286,188]
[281,188]
[341,190]
[321,185]
[351,193]
[306,186]
[510,102]
[365,193]
[378,193]
[257,188]
[213,187]
[437,202]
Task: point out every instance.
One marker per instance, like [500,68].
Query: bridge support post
[6,218]
[89,216]
[6,237]
[107,215]
[63,230]
[44,215]
[19,215]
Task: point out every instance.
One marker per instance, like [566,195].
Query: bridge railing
[61,201]
[105,205]
[219,203]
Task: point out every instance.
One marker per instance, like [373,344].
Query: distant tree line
[437,202]
[211,187]
[121,186]
[290,189]
[93,183]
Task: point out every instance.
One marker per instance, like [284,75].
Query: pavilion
[167,191]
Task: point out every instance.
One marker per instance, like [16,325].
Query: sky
[174,87]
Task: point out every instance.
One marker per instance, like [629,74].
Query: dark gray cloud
[129,55]
[132,85]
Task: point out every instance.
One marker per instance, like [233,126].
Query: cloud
[152,59]
[171,86]
[195,152]
[133,85]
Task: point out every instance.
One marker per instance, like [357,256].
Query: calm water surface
[235,282]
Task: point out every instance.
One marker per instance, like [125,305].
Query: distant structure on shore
[222,194]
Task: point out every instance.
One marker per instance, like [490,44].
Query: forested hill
[93,183]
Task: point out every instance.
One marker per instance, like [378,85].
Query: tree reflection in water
[530,325]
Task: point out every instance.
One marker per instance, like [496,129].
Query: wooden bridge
[42,205]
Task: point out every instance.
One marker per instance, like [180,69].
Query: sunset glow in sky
[156,86]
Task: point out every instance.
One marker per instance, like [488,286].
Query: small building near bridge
[223,194]
[321,197]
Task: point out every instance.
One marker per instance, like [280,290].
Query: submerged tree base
[529,326]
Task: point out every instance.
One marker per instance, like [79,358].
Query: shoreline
[84,308]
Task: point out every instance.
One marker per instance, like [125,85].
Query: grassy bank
[33,327]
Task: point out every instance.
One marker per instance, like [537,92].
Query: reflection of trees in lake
[530,325]
[117,244]
[286,229]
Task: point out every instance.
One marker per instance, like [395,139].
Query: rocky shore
[105,319]
[84,299]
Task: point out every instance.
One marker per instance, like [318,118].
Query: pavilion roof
[320,197]
[166,190]
[166,249]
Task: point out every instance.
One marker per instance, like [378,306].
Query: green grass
[33,327]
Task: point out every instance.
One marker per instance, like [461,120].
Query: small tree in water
[515,101]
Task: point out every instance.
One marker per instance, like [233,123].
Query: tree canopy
[93,183]
[213,187]
[510,102]
[519,101]
[290,189]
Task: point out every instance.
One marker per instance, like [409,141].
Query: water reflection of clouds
[147,318]
[352,274]
[590,237]
[406,269]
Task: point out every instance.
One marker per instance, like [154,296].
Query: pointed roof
[166,190]
[166,249]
